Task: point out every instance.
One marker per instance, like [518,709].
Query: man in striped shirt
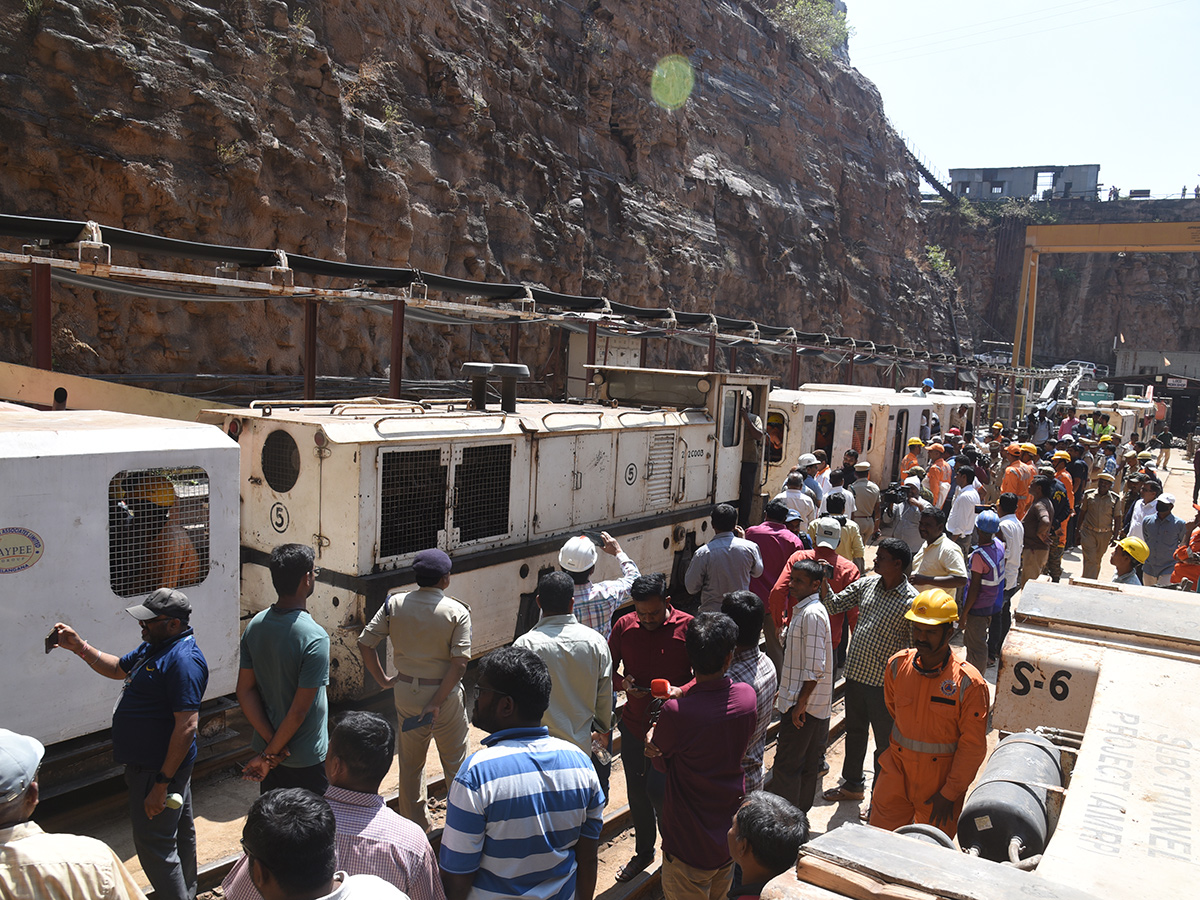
[751,666]
[805,691]
[525,811]
[370,838]
[596,603]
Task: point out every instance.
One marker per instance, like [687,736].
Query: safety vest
[991,588]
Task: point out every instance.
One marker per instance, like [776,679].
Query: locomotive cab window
[858,433]
[776,436]
[823,439]
[731,419]
[158,529]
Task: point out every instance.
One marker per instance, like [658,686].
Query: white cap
[806,460]
[1167,498]
[913,481]
[826,532]
[578,554]
[20,756]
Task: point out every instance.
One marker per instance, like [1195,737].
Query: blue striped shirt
[515,812]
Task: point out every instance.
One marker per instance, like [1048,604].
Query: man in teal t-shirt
[282,678]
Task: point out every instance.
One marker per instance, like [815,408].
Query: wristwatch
[161,778]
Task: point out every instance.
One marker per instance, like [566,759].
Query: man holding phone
[430,633]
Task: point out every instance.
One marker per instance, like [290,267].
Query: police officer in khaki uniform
[1099,517]
[431,644]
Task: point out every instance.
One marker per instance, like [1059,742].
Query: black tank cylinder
[1007,802]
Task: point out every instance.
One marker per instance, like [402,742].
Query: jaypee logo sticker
[20,548]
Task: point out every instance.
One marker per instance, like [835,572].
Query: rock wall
[484,140]
[1152,300]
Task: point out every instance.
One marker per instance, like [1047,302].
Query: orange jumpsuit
[939,474]
[910,461]
[171,559]
[939,740]
[1016,481]
[1183,568]
[1069,483]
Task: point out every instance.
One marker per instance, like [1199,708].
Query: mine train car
[370,483]
[877,422]
[90,504]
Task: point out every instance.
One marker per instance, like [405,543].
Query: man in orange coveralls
[912,457]
[1016,478]
[940,707]
[1188,556]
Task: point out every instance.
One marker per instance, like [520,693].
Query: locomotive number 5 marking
[630,473]
[279,518]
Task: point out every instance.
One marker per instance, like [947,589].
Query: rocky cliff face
[484,140]
[1084,301]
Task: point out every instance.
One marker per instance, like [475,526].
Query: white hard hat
[806,460]
[578,554]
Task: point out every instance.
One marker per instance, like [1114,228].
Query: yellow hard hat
[152,488]
[1135,547]
[933,607]
[1106,439]
[997,424]
[1062,454]
[1029,448]
[915,442]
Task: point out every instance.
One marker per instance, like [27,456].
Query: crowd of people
[780,607]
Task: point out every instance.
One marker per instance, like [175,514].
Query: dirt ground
[222,798]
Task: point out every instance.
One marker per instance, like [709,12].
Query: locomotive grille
[481,494]
[280,461]
[412,507]
[158,529]
[658,478]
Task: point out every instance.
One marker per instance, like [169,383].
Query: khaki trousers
[412,747]
[1095,545]
[683,882]
[975,636]
[1032,563]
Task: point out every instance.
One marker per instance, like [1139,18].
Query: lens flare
[672,82]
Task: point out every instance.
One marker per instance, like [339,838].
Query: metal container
[1009,806]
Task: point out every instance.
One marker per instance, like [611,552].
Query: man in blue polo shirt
[493,843]
[154,733]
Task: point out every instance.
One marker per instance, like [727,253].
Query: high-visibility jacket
[910,461]
[1183,568]
[939,740]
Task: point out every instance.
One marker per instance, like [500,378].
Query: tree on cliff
[816,24]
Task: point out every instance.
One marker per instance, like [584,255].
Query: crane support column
[310,349]
[40,286]
[396,371]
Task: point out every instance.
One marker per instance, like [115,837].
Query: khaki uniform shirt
[61,867]
[1099,511]
[427,630]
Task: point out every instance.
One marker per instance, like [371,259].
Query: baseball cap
[1013,449]
[20,756]
[163,602]
[937,448]
[913,482]
[793,515]
[826,532]
[1169,499]
[432,563]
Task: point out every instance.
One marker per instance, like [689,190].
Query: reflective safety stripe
[920,746]
[963,683]
[895,668]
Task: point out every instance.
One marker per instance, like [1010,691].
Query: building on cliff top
[1027,182]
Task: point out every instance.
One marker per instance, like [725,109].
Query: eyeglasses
[484,689]
[316,570]
[246,849]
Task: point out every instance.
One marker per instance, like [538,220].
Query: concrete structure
[1155,362]
[1038,182]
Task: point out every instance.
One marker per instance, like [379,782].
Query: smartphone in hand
[416,722]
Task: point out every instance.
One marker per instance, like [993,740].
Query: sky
[1057,82]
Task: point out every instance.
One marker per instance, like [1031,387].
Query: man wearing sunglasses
[154,733]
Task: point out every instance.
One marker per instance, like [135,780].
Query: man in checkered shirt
[596,603]
[882,600]
[370,839]
[751,666]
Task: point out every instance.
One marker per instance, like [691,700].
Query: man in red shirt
[828,534]
[646,644]
[776,542]
[699,742]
